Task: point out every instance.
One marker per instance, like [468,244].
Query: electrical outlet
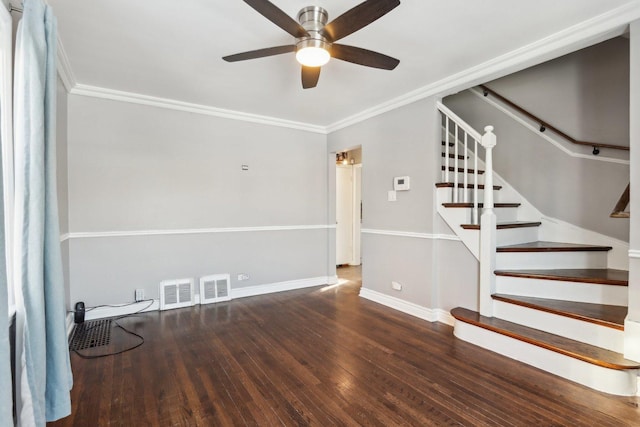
[397,286]
[139,294]
[243,276]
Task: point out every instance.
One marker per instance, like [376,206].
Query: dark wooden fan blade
[260,53]
[310,76]
[364,57]
[278,17]
[358,17]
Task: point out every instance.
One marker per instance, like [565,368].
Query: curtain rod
[12,8]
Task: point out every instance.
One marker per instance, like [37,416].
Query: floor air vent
[215,288]
[176,293]
[94,333]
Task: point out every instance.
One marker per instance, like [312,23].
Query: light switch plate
[391,196]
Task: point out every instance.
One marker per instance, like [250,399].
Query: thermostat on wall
[401,183]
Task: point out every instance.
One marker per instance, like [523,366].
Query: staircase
[554,305]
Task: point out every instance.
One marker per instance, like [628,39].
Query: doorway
[349,214]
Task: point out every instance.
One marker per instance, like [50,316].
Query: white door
[344,214]
[357,213]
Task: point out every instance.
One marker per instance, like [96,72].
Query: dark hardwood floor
[320,356]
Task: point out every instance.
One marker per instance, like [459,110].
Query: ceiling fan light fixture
[313,53]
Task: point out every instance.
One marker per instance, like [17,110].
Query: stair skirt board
[550,260]
[612,381]
[578,330]
[561,290]
[511,236]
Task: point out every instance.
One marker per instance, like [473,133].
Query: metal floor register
[94,333]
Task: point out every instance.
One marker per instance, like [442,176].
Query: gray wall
[579,191]
[585,94]
[140,168]
[397,143]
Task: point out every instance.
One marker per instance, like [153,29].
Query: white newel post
[488,229]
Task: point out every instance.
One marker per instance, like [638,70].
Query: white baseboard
[290,285]
[122,310]
[445,317]
[129,308]
[400,305]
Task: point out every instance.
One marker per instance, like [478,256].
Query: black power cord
[115,320]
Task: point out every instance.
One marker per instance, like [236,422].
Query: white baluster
[474,215]
[456,178]
[488,230]
[466,167]
[446,151]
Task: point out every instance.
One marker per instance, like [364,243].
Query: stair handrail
[623,202]
[544,125]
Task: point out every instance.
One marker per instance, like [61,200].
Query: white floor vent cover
[176,293]
[215,288]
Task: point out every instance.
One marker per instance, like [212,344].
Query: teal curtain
[6,393]
[43,370]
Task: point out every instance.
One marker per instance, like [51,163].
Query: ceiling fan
[316,40]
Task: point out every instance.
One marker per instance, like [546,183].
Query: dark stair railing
[545,125]
[619,210]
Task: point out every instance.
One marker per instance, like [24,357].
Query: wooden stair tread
[552,247]
[451,185]
[462,170]
[504,225]
[611,316]
[480,205]
[568,347]
[602,276]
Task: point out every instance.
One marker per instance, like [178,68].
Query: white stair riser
[465,215]
[550,260]
[618,382]
[562,290]
[470,177]
[513,236]
[586,332]
[470,195]
[445,195]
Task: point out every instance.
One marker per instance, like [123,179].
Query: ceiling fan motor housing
[313,19]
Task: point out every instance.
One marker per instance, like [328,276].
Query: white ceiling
[172,49]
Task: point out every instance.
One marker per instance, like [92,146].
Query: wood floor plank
[313,357]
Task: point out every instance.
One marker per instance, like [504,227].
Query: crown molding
[136,98]
[64,68]
[583,34]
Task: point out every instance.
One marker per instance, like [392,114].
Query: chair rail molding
[130,233]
